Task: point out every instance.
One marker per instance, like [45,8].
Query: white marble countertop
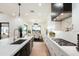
[69,50]
[8,49]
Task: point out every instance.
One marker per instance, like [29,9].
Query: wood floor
[39,49]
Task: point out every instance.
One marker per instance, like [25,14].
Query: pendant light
[18,18]
[19,15]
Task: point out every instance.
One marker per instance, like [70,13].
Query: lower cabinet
[26,50]
[31,44]
[54,50]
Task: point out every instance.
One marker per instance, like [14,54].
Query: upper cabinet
[67,7]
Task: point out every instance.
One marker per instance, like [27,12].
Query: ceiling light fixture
[39,4]
[26,14]
[62,14]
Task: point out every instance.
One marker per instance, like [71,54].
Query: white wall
[4,18]
[13,23]
[54,26]
[67,23]
[71,35]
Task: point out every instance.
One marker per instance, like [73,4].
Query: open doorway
[36,30]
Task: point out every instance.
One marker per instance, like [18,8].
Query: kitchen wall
[15,22]
[71,35]
[66,23]
[5,18]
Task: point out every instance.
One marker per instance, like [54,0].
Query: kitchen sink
[63,42]
[18,42]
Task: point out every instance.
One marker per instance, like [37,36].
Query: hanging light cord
[19,8]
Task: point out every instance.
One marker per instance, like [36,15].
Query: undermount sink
[18,42]
[63,42]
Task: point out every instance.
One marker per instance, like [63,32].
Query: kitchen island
[8,49]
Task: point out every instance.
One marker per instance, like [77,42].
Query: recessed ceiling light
[26,14]
[39,4]
[62,14]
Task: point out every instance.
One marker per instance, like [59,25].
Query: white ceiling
[40,13]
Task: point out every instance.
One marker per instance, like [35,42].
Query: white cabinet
[51,51]
[54,49]
[59,52]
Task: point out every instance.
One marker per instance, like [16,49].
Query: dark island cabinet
[25,50]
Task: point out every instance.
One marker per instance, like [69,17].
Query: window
[4,30]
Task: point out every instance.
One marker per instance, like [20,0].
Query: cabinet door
[18,53]
[31,44]
[50,48]
[28,48]
[25,51]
